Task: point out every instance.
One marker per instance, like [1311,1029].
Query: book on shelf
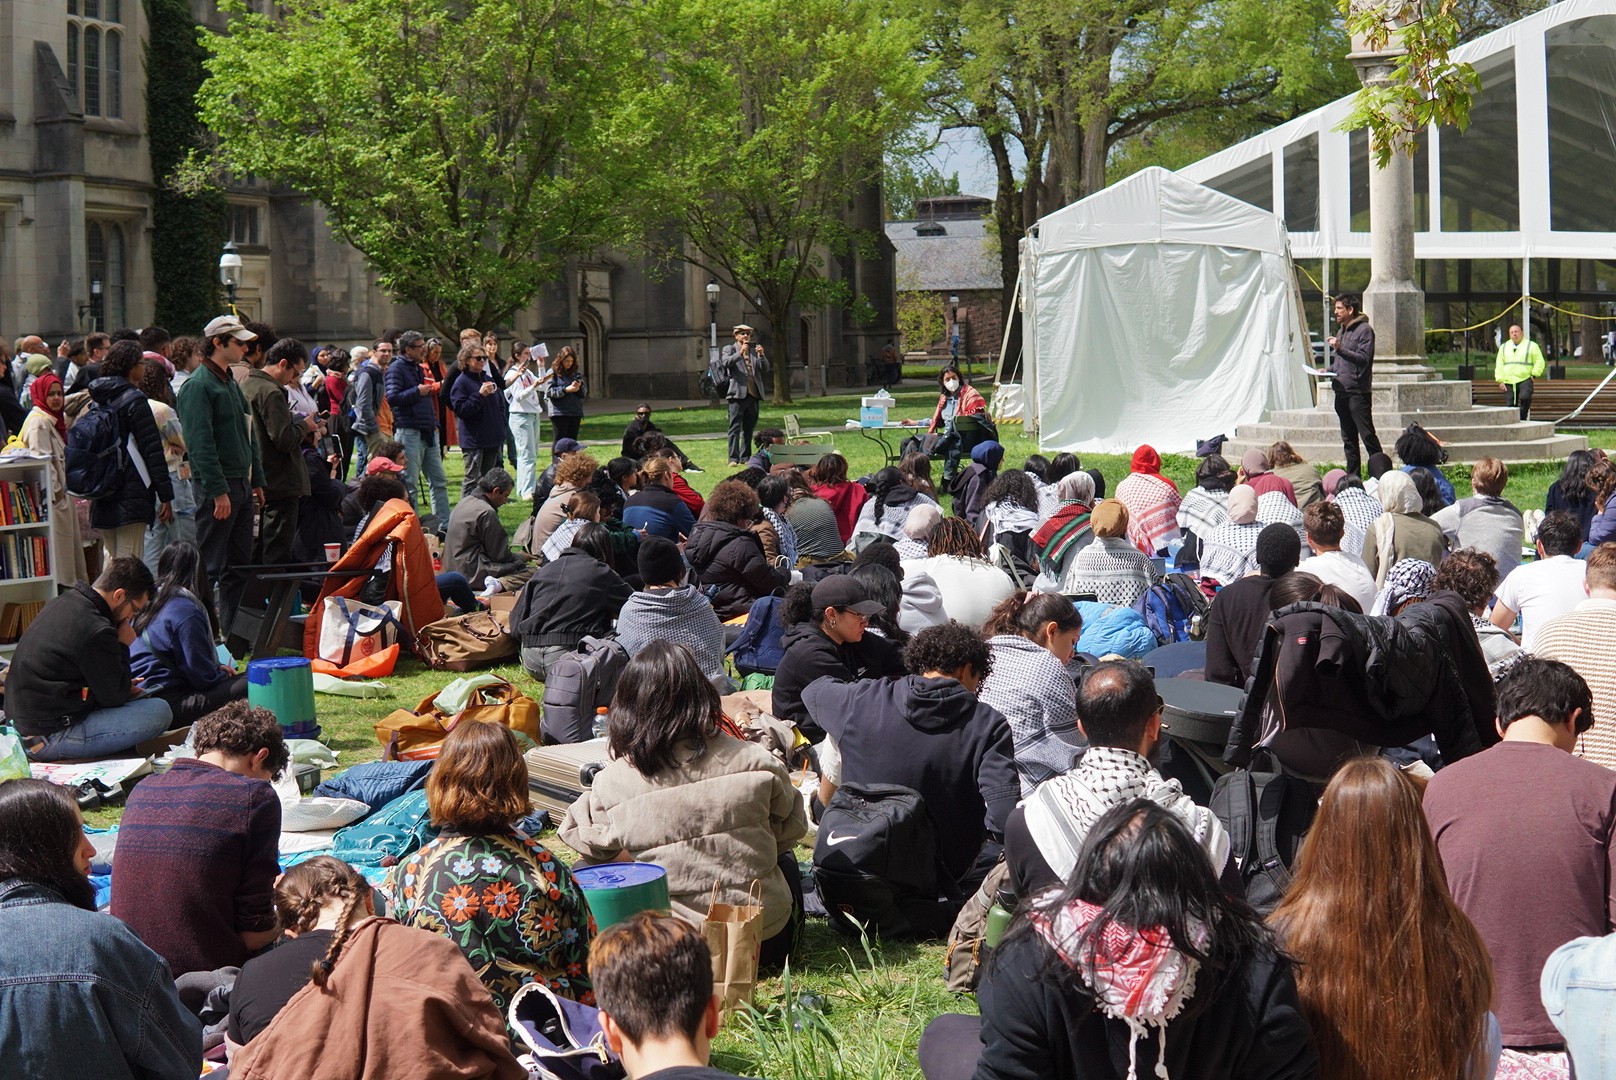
[22,502]
[15,617]
[23,556]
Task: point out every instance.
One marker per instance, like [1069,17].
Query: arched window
[92,70]
[73,55]
[114,285]
[114,70]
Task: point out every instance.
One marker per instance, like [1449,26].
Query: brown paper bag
[734,935]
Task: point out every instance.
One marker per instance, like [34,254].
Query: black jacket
[970,491]
[1381,680]
[1039,1024]
[1354,354]
[133,501]
[731,568]
[934,736]
[68,663]
[573,596]
[808,654]
[319,513]
[1234,629]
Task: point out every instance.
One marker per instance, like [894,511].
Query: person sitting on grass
[825,628]
[500,895]
[654,508]
[173,654]
[727,558]
[196,863]
[578,595]
[654,984]
[668,608]
[70,692]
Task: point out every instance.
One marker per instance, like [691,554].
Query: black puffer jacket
[809,654]
[134,501]
[1381,680]
[1354,359]
[730,567]
[574,596]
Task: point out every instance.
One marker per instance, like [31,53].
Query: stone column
[1393,301]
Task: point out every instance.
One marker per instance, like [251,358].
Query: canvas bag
[419,735]
[734,934]
[564,1038]
[464,642]
[968,949]
[354,630]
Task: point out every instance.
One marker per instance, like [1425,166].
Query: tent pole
[1004,344]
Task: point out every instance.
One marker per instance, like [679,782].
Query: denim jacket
[1579,993]
[80,995]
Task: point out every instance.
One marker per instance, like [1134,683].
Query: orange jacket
[413,583]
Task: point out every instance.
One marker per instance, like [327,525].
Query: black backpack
[576,685]
[95,453]
[1267,815]
[875,860]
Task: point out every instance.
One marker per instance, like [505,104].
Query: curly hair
[576,470]
[1471,573]
[954,536]
[241,730]
[734,502]
[948,647]
[1014,487]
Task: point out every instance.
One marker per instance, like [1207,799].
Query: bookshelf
[27,557]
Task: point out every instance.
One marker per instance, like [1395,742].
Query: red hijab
[40,389]
[1147,461]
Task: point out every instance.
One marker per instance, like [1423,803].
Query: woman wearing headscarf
[44,430]
[1204,507]
[1358,507]
[1409,582]
[1067,531]
[1402,532]
[1152,501]
[1226,552]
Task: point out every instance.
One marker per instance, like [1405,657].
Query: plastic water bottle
[599,728]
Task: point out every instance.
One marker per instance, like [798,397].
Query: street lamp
[954,338]
[230,272]
[712,328]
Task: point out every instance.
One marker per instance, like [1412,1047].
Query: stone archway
[592,351]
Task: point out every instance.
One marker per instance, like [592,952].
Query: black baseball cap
[844,594]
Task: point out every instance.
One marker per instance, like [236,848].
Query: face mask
[951,385]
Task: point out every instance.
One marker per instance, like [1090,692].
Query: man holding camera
[747,370]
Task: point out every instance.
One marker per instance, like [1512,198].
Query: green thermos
[999,914]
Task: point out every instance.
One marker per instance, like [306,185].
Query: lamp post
[712,324]
[230,273]
[954,335]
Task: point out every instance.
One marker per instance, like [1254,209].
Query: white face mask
[951,385]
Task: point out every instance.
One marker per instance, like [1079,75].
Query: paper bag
[734,935]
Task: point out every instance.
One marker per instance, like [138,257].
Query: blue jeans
[104,732]
[525,429]
[454,587]
[1579,994]
[421,454]
[183,527]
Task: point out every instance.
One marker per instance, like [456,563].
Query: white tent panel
[1159,311]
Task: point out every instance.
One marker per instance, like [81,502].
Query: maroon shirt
[195,864]
[1524,831]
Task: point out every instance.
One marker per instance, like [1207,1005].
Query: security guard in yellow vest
[1519,362]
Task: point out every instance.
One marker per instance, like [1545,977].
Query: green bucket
[285,686]
[617,890]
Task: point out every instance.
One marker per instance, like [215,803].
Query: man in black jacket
[70,693]
[1353,370]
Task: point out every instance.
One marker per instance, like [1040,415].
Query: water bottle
[599,727]
[1004,905]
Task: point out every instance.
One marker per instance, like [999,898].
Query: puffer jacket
[574,597]
[724,816]
[133,501]
[1378,679]
[731,567]
[1353,363]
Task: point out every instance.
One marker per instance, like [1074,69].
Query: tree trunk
[779,350]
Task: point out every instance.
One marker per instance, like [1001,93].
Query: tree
[1059,84]
[1420,85]
[784,110]
[467,149]
[907,182]
[922,318]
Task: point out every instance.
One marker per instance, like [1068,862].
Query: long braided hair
[306,888]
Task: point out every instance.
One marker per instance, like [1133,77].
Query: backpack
[875,859]
[1267,814]
[759,648]
[95,453]
[1170,608]
[578,684]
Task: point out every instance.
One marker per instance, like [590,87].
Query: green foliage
[921,316]
[467,149]
[1419,85]
[909,181]
[187,229]
[784,110]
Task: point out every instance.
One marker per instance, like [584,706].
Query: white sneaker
[491,586]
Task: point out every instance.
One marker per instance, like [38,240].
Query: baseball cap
[228,324]
[382,464]
[844,594]
[566,446]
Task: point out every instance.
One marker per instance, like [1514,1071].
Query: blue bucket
[285,686]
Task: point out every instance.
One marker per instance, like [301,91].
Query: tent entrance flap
[1159,311]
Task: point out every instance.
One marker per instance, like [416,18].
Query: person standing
[369,396]
[479,407]
[1354,346]
[415,417]
[567,391]
[1519,361]
[225,466]
[747,370]
[124,516]
[524,382]
[279,436]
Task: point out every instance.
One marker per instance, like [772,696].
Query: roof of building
[940,255]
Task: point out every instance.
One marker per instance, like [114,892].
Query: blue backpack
[95,452]
[1166,612]
[759,648]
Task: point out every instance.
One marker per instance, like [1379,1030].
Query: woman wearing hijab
[44,430]
[1227,551]
[1402,532]
[1409,582]
[1152,501]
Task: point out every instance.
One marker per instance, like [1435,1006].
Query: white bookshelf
[41,584]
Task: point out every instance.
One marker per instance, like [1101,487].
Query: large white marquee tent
[1158,311]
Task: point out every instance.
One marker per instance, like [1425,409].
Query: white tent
[1158,311]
